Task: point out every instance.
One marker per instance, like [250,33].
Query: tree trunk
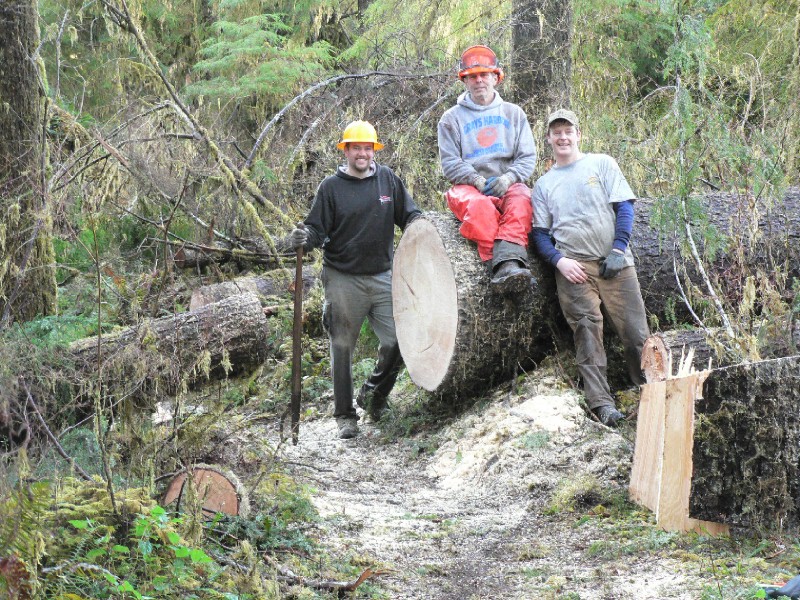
[27,273]
[775,253]
[721,447]
[746,451]
[542,57]
[459,338]
[279,282]
[171,352]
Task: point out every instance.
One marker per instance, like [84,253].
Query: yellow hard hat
[360,131]
[479,59]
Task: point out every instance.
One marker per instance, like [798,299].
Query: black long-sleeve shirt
[353,220]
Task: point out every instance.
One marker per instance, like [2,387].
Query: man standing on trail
[583,218]
[487,151]
[353,218]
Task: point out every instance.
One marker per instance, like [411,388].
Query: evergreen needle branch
[59,448]
[687,226]
[279,115]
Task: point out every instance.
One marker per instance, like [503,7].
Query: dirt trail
[475,518]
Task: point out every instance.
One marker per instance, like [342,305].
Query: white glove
[479,183]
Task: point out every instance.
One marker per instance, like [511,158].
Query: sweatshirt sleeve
[454,168]
[525,155]
[318,221]
[405,210]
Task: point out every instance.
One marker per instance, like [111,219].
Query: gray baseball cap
[564,115]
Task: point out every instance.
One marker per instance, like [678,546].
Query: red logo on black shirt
[385,199]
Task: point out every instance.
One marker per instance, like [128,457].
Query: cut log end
[425,304]
[217,492]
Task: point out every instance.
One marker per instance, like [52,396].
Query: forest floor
[523,496]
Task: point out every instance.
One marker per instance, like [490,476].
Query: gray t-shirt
[575,203]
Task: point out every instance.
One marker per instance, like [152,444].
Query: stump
[721,447]
[217,491]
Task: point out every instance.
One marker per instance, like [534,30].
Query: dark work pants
[621,300]
[349,299]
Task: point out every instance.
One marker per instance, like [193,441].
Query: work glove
[790,590]
[611,265]
[479,183]
[298,237]
[498,186]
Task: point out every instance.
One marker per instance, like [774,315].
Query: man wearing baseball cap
[583,218]
[487,152]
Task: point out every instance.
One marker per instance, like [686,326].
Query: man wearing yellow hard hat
[353,218]
[487,152]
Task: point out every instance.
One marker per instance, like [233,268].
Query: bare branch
[59,448]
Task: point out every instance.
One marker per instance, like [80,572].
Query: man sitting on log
[583,217]
[487,151]
[353,218]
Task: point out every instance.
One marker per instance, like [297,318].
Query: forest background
[132,128]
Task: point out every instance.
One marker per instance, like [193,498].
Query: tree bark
[166,354]
[27,273]
[542,57]
[746,451]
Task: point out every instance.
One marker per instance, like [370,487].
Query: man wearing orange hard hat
[353,218]
[487,151]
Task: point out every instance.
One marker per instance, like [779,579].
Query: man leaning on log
[583,218]
[487,151]
[353,218]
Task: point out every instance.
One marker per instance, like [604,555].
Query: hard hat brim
[496,70]
[375,145]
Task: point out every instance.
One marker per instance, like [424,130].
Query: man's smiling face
[564,138]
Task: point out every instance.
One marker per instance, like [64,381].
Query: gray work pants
[584,304]
[349,299]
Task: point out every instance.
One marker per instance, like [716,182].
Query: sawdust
[475,517]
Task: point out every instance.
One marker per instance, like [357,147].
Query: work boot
[373,402]
[608,415]
[511,277]
[348,427]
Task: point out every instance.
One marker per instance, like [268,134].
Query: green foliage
[152,561]
[252,54]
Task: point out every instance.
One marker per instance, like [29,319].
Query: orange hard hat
[479,59]
[360,131]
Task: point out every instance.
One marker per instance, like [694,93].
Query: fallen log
[168,353]
[774,251]
[721,447]
[459,338]
[278,282]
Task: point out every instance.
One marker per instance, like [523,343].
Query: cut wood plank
[662,464]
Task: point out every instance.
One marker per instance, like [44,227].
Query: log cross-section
[457,335]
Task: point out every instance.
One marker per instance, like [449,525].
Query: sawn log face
[458,336]
[747,446]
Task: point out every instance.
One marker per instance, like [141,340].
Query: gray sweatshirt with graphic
[486,141]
